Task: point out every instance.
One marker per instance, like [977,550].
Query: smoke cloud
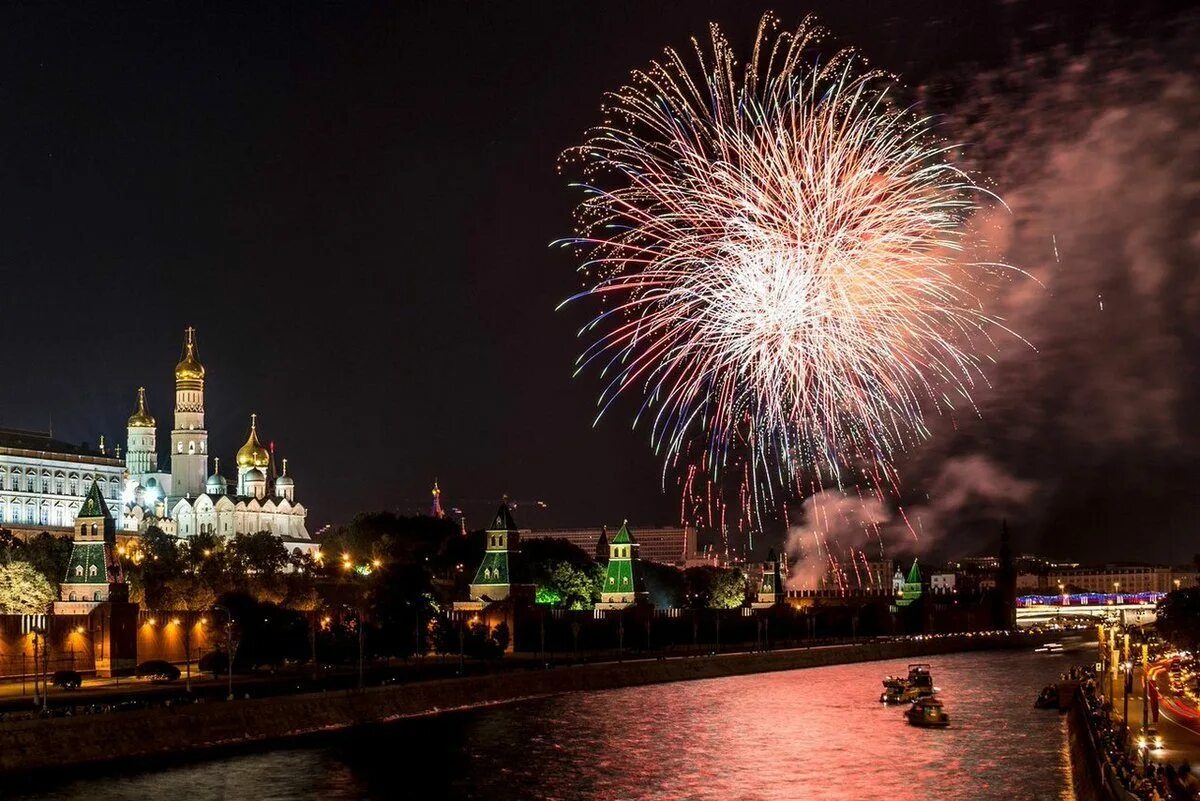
[1092,433]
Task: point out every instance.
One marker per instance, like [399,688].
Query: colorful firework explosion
[781,255]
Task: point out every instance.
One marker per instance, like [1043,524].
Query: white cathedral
[189,500]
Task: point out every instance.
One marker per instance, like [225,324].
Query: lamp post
[364,570]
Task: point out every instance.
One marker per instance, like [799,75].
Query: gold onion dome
[141,418]
[189,367]
[253,454]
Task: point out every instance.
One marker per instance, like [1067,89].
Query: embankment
[1091,779]
[38,745]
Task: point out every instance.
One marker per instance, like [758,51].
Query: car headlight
[1158,742]
[1141,742]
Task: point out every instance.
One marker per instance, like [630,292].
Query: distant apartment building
[1119,579]
[668,546]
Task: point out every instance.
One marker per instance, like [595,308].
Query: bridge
[1135,609]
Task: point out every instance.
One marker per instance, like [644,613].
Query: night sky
[352,204]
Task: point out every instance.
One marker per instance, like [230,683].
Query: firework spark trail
[779,252]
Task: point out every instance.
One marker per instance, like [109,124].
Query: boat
[927,712]
[1049,648]
[902,690]
[1048,698]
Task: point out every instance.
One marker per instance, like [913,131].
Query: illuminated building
[623,584]
[501,572]
[190,500]
[43,481]
[907,588]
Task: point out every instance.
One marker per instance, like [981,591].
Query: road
[1178,722]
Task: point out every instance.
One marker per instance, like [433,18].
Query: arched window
[180,448]
[72,597]
[191,447]
[96,595]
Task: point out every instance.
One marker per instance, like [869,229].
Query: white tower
[189,440]
[140,443]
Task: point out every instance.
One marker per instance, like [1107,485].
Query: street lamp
[363,571]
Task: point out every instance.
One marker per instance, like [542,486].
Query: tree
[728,590]
[715,588]
[666,584]
[259,553]
[24,590]
[48,554]
[565,574]
[183,594]
[575,587]
[1178,618]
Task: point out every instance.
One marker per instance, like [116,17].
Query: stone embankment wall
[59,742]
[1091,780]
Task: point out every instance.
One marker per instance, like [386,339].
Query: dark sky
[352,204]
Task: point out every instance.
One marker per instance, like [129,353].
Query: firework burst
[779,251]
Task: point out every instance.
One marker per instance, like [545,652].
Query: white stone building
[43,481]
[189,500]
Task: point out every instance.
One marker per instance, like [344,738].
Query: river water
[804,734]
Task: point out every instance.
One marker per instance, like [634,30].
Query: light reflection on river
[806,734]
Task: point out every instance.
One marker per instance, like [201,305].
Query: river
[804,734]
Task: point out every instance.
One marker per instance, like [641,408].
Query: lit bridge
[1135,609]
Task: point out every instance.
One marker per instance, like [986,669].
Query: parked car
[67,679]
[158,671]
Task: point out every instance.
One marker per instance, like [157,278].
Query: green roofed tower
[501,572]
[910,589]
[770,584]
[623,584]
[94,573]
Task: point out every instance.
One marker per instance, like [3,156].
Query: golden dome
[189,367]
[141,418]
[253,454]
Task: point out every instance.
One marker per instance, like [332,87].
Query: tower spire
[436,511]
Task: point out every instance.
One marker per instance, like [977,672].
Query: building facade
[43,481]
[1118,579]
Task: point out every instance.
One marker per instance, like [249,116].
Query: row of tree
[395,576]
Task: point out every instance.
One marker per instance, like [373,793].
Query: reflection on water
[818,733]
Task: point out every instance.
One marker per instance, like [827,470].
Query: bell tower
[189,439]
[140,456]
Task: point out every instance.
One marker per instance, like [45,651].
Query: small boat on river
[927,713]
[900,690]
[1048,698]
